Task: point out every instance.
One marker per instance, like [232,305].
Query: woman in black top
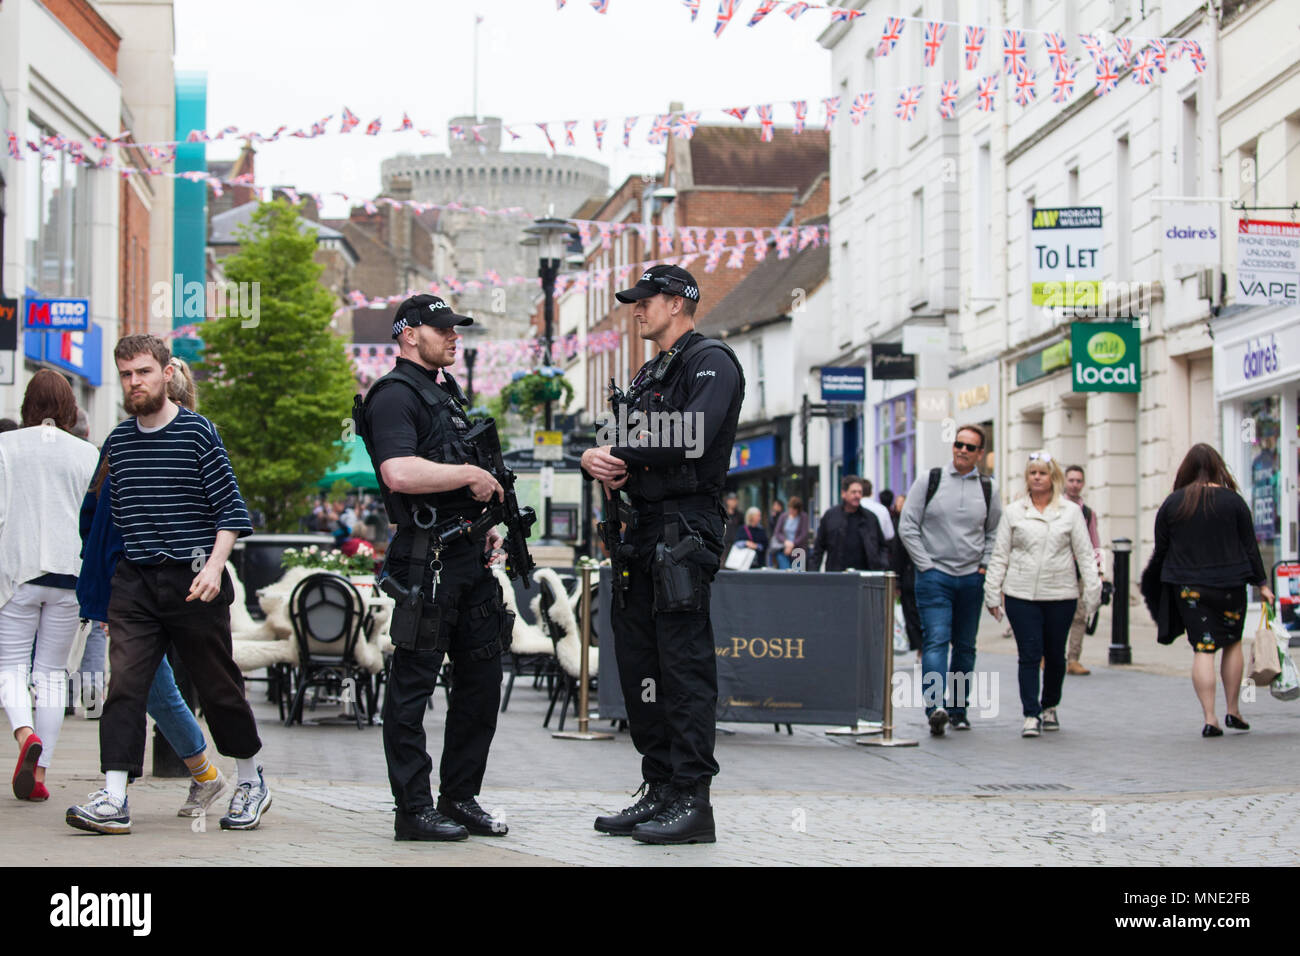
[1206,553]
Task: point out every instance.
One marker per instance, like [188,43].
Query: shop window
[896,443]
[1263,489]
[58,219]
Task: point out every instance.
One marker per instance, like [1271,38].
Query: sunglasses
[1040,456]
[966,446]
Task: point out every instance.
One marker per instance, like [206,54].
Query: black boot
[687,819]
[472,817]
[654,797]
[427,824]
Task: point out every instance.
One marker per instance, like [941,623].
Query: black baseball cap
[670,280]
[426,310]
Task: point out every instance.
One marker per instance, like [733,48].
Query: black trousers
[668,670]
[146,614]
[475,648]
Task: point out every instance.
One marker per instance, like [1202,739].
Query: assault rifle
[485,445]
[611,510]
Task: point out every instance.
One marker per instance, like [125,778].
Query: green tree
[281,384]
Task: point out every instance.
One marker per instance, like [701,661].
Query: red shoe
[39,792]
[24,774]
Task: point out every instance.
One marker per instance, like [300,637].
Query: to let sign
[57,315]
[1065,256]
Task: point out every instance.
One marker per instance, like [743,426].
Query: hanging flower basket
[528,392]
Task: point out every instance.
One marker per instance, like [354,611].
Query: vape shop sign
[1106,357]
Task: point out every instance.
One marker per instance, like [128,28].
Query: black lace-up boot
[654,797]
[688,818]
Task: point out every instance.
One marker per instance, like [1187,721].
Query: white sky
[272,62]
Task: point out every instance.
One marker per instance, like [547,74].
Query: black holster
[678,571]
[417,623]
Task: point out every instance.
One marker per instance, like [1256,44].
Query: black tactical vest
[651,393]
[442,443]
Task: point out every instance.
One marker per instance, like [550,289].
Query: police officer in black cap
[413,424]
[672,467]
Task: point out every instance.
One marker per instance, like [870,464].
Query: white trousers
[45,619]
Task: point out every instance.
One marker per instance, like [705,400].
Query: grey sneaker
[1033,727]
[103,814]
[1050,720]
[247,805]
[938,721]
[202,796]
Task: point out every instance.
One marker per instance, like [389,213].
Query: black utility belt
[670,505]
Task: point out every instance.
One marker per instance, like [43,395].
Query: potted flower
[358,567]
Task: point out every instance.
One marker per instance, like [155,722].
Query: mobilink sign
[1106,357]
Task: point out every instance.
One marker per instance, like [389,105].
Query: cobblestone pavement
[1127,781]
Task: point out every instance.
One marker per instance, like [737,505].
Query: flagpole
[477,20]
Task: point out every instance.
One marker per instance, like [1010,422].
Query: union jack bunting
[665,241]
[373,127]
[1093,46]
[693,6]
[837,16]
[100,141]
[861,106]
[584,233]
[370,207]
[559,4]
[1144,67]
[477,133]
[1124,47]
[406,123]
[600,6]
[795,10]
[569,127]
[737,258]
[1057,51]
[1107,76]
[726,10]
[350,122]
[685,261]
[685,123]
[688,240]
[623,273]
[1063,85]
[14,151]
[545,132]
[831,105]
[660,128]
[764,8]
[196,136]
[1161,50]
[1013,51]
[513,135]
[800,115]
[784,240]
[934,34]
[908,100]
[985,91]
[808,236]
[458,132]
[628,123]
[604,230]
[765,117]
[711,263]
[493,277]
[974,43]
[948,99]
[1193,50]
[760,245]
[1026,87]
[598,127]
[889,36]
[740,112]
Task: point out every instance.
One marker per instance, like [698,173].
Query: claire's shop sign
[1261,358]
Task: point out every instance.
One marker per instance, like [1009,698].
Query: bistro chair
[329,617]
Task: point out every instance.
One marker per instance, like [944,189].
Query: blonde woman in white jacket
[1042,551]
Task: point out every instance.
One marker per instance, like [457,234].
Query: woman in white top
[44,472]
[1042,549]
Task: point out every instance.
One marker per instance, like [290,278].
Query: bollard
[1120,651]
[582,733]
[887,738]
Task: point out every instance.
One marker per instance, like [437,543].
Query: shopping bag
[900,630]
[740,558]
[1264,663]
[1286,686]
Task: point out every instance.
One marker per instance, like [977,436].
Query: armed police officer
[415,429]
[673,467]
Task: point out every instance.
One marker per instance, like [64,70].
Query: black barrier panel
[799,648]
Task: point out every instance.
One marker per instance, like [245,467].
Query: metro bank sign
[56,315]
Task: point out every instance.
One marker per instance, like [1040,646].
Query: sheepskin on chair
[242,625]
[568,649]
[525,639]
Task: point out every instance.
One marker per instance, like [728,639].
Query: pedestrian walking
[1074,484]
[735,520]
[879,509]
[901,564]
[1041,553]
[1205,555]
[849,536]
[44,471]
[790,535]
[663,635]
[948,526]
[176,503]
[414,424]
[102,549]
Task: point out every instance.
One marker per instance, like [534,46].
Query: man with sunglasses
[663,639]
[948,526]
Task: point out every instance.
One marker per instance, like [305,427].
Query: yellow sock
[205,773]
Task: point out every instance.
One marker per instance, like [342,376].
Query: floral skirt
[1214,617]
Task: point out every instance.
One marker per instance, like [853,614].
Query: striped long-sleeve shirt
[173,489]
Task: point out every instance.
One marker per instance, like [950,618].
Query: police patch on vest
[707,371]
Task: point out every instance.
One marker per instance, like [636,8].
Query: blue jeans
[783,561]
[1041,629]
[172,715]
[950,615]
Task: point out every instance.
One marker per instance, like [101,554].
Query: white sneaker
[202,796]
[1050,721]
[1033,727]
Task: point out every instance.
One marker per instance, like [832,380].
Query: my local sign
[1065,256]
[1106,357]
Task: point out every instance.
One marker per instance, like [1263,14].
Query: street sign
[57,315]
[548,446]
[844,384]
[1065,256]
[889,361]
[1106,357]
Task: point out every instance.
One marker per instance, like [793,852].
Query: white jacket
[44,474]
[1036,554]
